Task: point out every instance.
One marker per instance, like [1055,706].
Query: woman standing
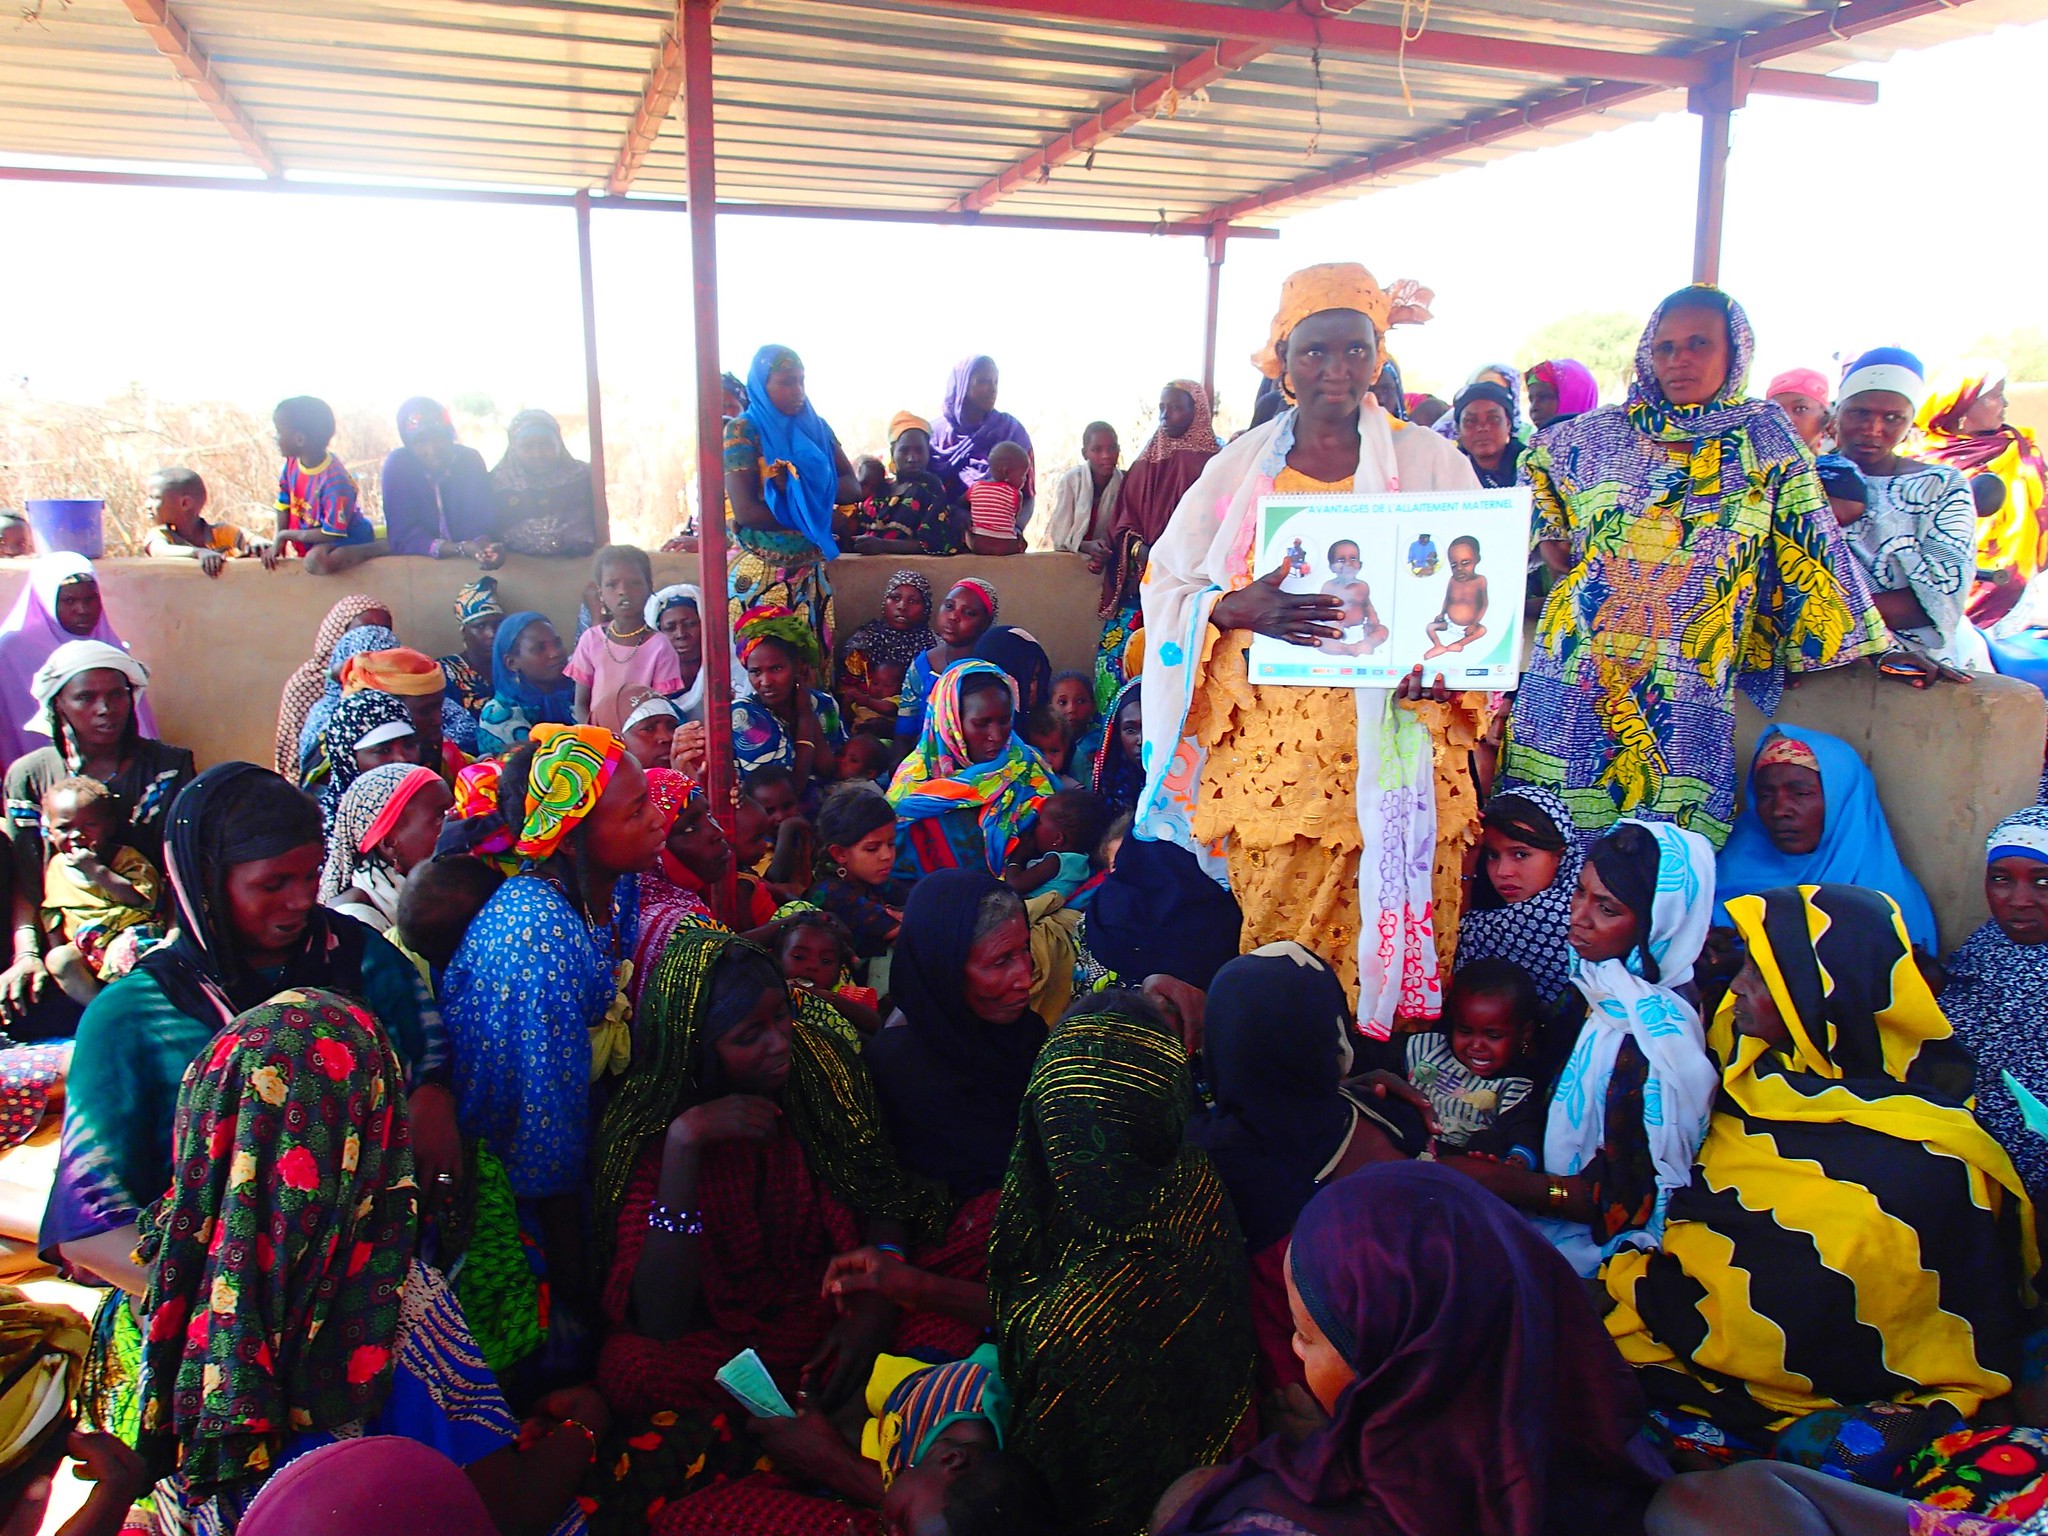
[971,786]
[1271,774]
[1171,461]
[1117,1273]
[387,822]
[1482,414]
[784,473]
[304,688]
[534,998]
[1693,553]
[89,694]
[1997,992]
[1962,424]
[243,853]
[968,429]
[59,603]
[541,493]
[437,493]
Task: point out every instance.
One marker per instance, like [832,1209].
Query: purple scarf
[960,452]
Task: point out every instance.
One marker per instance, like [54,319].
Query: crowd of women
[1075,1102]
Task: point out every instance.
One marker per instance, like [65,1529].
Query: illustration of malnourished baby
[1295,561]
[1363,631]
[1459,624]
[1422,559]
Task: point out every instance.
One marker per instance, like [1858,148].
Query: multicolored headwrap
[938,776]
[478,600]
[1339,285]
[571,766]
[2022,835]
[918,1402]
[775,622]
[477,825]
[670,791]
[984,590]
[404,672]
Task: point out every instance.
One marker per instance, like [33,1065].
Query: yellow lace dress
[1280,791]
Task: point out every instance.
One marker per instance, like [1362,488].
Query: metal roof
[1180,111]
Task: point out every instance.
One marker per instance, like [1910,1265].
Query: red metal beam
[1850,19]
[657,100]
[563,200]
[190,60]
[1223,59]
[593,392]
[700,151]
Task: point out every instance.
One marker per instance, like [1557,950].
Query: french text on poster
[1434,577]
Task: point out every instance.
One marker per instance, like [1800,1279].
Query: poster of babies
[1434,577]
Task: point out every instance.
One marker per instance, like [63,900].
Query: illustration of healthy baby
[1363,631]
[1422,557]
[1464,602]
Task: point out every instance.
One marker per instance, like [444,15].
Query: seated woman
[294,1198]
[87,697]
[878,656]
[243,851]
[533,1000]
[647,725]
[1023,660]
[1630,1107]
[437,493]
[368,731]
[308,683]
[1520,904]
[677,611]
[788,723]
[1117,1273]
[966,614]
[541,494]
[971,786]
[59,603]
[386,822]
[738,1156]
[911,513]
[1276,1048]
[1467,1381]
[468,671]
[530,685]
[1997,992]
[1812,817]
[360,641]
[446,731]
[1118,772]
[1854,1236]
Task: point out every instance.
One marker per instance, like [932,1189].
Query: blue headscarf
[552,706]
[366,637]
[802,493]
[1855,841]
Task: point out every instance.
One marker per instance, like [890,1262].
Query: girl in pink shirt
[621,652]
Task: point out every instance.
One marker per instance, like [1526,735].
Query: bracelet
[1558,1194]
[666,1218]
[891,1248]
[588,1433]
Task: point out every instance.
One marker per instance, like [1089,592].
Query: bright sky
[1914,222]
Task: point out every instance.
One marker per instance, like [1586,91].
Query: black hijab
[1503,473]
[1157,912]
[950,1084]
[238,813]
[1019,654]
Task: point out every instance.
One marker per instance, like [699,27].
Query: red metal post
[1715,105]
[1218,241]
[700,151]
[593,395]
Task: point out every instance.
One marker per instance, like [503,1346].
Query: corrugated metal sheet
[833,103]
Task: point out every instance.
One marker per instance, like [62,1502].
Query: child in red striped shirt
[996,505]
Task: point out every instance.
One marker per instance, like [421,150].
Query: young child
[16,541]
[439,900]
[857,842]
[1057,853]
[815,952]
[1464,602]
[176,498]
[1073,697]
[995,506]
[864,759]
[773,791]
[1047,733]
[1363,631]
[95,888]
[317,504]
[869,474]
[621,650]
[1478,1070]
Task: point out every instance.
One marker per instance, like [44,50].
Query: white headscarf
[68,661]
[690,702]
[1621,1004]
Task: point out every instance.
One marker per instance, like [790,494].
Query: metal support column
[1216,243]
[1715,105]
[700,152]
[593,395]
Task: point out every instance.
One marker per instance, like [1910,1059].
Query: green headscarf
[1117,1274]
[829,1100]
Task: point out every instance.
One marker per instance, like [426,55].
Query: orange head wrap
[1339,285]
[407,673]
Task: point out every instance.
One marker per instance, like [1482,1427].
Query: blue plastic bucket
[73,525]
